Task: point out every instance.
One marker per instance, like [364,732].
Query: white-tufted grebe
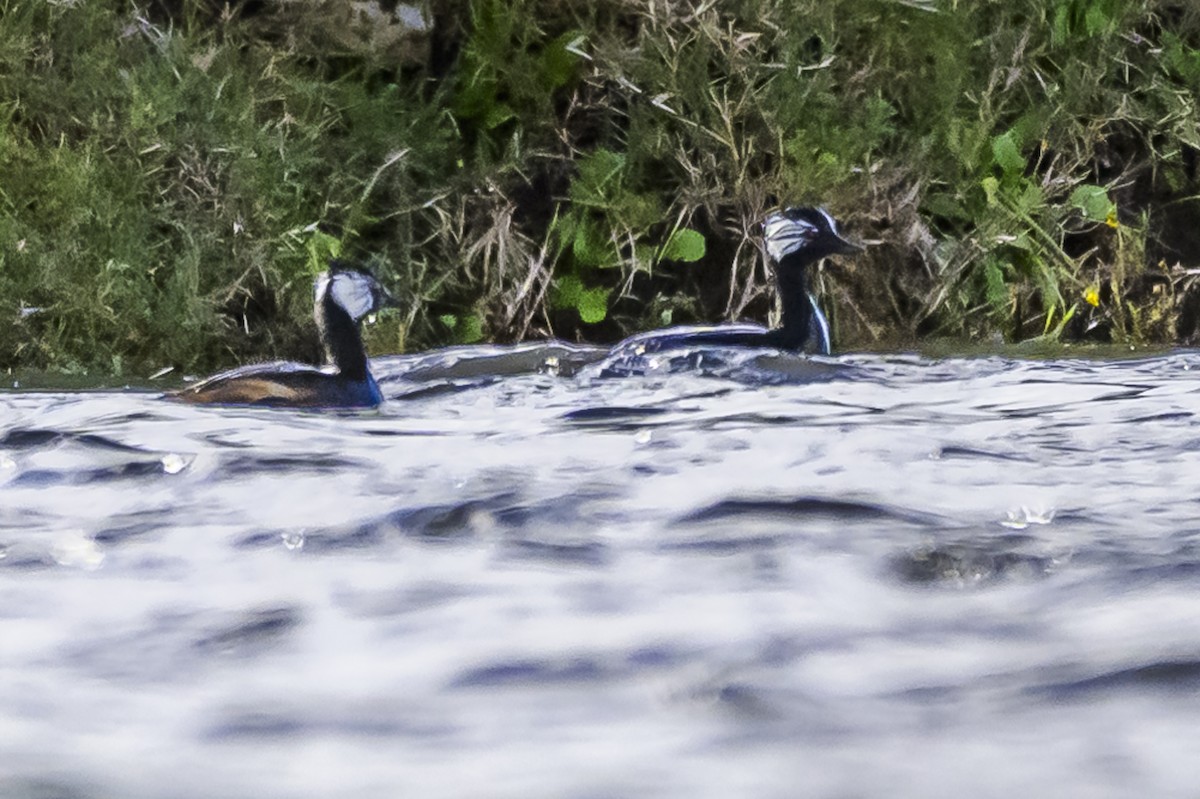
[342,297]
[796,239]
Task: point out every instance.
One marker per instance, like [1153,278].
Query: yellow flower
[1092,296]
[1111,219]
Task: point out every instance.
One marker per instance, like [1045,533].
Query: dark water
[757,577]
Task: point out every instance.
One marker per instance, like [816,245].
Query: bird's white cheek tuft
[353,294]
[777,249]
[785,236]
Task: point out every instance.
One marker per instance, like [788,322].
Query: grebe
[342,297]
[796,239]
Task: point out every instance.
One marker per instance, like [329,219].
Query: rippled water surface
[735,576]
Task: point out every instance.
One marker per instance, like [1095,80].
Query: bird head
[806,231]
[353,289]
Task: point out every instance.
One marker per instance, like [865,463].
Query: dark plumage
[342,297]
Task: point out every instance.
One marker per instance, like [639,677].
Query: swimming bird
[342,296]
[796,239]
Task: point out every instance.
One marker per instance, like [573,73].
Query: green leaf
[1022,242]
[497,115]
[637,211]
[827,159]
[1093,201]
[469,329]
[1007,155]
[567,290]
[1096,20]
[1061,27]
[593,305]
[557,62]
[599,174]
[643,256]
[591,248]
[476,99]
[947,207]
[565,227]
[321,249]
[685,244]
[991,187]
[1031,199]
[1182,59]
[997,288]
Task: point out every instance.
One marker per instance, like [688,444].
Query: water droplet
[1024,517]
[173,463]
[481,521]
[293,541]
[77,550]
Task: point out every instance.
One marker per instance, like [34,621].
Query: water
[757,576]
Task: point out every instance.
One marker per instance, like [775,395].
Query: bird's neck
[791,275]
[341,339]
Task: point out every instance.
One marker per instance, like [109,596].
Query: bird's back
[282,384]
[687,336]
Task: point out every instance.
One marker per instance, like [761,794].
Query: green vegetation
[172,176]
